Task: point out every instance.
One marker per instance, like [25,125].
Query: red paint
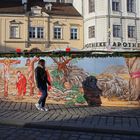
[18,50]
[135,74]
[67,49]
[21,85]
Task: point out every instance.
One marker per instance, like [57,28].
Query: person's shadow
[92,92]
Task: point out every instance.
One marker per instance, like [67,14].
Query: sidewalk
[117,120]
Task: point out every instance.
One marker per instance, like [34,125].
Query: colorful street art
[75,81]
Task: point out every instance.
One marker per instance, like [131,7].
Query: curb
[95,129]
[71,127]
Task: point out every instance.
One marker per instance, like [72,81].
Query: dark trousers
[43,97]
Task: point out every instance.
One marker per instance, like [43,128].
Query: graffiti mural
[75,81]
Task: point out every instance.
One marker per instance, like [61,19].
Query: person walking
[42,83]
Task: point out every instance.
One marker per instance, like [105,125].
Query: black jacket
[41,77]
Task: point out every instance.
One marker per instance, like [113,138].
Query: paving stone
[17,106]
[97,138]
[115,117]
[23,106]
[85,137]
[103,121]
[22,114]
[73,138]
[12,105]
[133,122]
[110,121]
[138,121]
[29,106]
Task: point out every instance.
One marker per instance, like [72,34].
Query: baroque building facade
[37,25]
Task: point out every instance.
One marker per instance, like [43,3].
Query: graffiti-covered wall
[76,81]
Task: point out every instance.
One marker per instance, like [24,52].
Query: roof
[11,7]
[63,9]
[58,9]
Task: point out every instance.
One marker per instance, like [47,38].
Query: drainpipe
[109,32]
[48,44]
[136,27]
[121,21]
[27,44]
[28,22]
[83,22]
[28,27]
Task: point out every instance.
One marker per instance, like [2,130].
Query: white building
[110,23]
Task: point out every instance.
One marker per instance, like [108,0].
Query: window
[131,31]
[131,5]
[91,31]
[14,31]
[116,31]
[60,1]
[36,32]
[91,6]
[115,5]
[57,32]
[73,33]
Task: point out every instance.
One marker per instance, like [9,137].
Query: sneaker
[44,109]
[38,106]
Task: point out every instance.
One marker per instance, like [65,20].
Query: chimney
[24,1]
[48,6]
[25,7]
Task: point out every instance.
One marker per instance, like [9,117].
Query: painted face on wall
[18,74]
[27,62]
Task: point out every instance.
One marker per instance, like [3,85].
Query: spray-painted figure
[30,63]
[6,64]
[21,85]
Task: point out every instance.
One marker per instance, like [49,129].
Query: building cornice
[36,42]
[59,42]
[111,16]
[66,17]
[12,15]
[23,41]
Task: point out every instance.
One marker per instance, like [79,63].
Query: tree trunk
[134,82]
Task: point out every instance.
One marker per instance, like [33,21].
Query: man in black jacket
[41,81]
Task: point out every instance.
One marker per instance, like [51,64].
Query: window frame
[58,37]
[91,6]
[131,31]
[60,1]
[36,33]
[116,7]
[15,34]
[131,6]
[117,32]
[91,32]
[73,34]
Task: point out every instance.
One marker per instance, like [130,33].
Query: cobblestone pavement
[64,109]
[117,120]
[15,133]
